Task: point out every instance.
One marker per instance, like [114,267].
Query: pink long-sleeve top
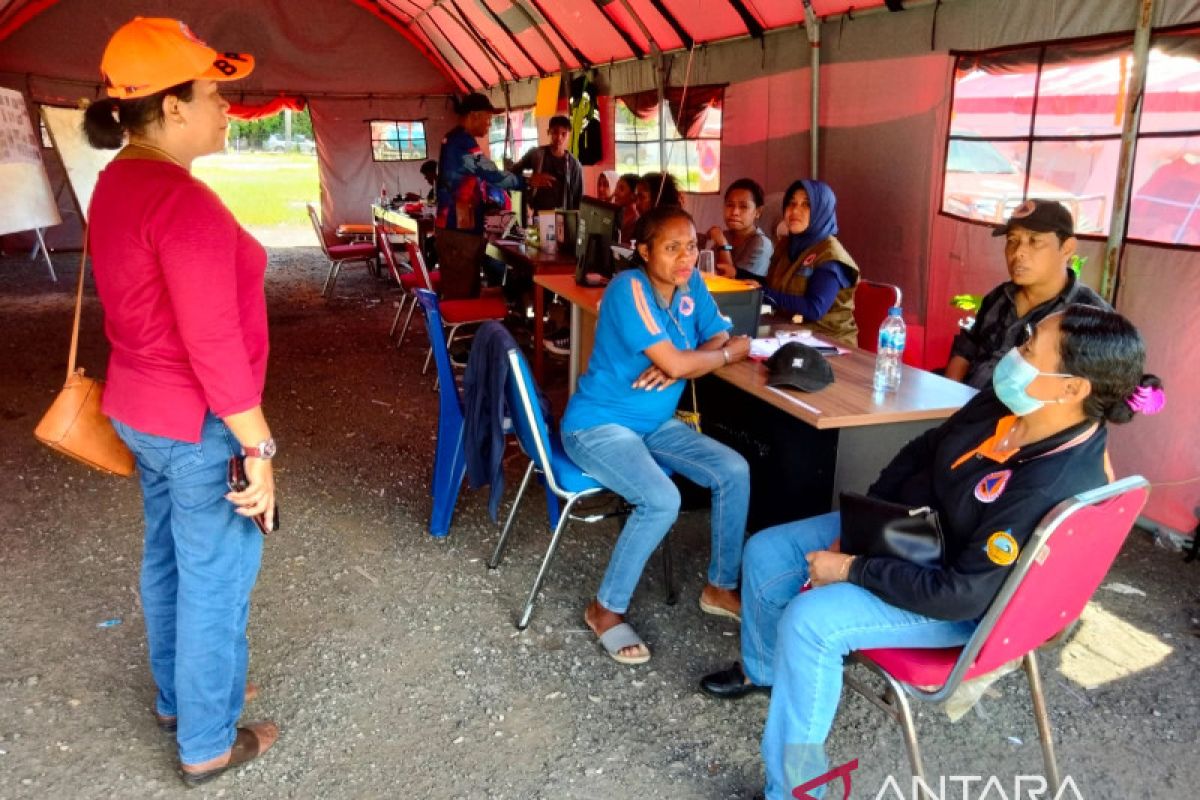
[181,283]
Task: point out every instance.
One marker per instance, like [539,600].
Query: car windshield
[971,156]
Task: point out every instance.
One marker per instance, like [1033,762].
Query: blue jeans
[797,642]
[199,564]
[632,465]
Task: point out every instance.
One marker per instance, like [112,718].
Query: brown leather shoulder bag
[74,425]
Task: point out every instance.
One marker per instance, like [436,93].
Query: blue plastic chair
[450,461]
[564,480]
[566,484]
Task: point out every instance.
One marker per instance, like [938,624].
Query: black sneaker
[559,344]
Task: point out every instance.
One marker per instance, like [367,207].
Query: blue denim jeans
[796,643]
[632,466]
[199,564]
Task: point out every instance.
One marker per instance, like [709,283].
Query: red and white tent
[885,87]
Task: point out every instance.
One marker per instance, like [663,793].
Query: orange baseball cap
[147,55]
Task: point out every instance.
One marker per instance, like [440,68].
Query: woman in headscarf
[812,275]
[606,183]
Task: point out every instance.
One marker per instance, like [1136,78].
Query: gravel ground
[390,660]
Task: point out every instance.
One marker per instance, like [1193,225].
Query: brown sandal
[171,724]
[252,741]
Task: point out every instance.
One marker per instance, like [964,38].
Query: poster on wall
[81,161]
[28,200]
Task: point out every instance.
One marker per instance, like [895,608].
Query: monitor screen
[597,231]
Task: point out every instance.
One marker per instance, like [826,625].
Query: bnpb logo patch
[992,485]
[1002,548]
[687,305]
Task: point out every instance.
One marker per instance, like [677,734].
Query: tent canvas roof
[479,43]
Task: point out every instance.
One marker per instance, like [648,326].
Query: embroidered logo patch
[992,485]
[1002,548]
[687,305]
[808,262]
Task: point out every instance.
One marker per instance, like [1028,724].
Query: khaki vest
[791,277]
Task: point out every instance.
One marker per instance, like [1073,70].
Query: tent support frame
[1110,278]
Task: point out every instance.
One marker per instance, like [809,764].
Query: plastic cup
[707,262]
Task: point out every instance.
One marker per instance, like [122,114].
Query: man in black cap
[465,173]
[1039,240]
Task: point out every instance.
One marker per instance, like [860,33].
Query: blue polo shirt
[632,318]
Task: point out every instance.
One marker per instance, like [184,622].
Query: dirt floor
[390,660]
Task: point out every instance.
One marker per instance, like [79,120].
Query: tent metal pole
[813,26]
[662,142]
[1110,278]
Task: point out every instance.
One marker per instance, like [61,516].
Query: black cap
[476,102]
[798,365]
[1043,216]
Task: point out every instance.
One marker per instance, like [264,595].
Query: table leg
[539,311]
[575,359]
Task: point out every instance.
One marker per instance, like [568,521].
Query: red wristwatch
[265,450]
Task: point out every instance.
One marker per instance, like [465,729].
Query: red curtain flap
[267,109]
[689,109]
[643,105]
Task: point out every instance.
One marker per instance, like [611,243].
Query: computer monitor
[597,230]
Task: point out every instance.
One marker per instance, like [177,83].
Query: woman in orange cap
[185,312]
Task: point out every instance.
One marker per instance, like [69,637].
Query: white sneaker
[559,344]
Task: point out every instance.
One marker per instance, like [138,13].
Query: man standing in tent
[466,174]
[556,161]
[1039,241]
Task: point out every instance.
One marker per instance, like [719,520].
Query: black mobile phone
[237,481]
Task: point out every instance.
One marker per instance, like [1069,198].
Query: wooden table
[585,310]
[804,448]
[530,262]
[398,222]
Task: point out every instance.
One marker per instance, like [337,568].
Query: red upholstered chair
[339,254]
[871,303]
[455,313]
[1060,568]
[409,281]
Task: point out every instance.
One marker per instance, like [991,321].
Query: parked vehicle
[300,143]
[982,184]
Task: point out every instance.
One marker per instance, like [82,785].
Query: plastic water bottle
[892,334]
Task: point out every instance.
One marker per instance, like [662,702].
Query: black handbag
[873,527]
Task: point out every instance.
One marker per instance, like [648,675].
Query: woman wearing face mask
[991,471]
[658,325]
[811,274]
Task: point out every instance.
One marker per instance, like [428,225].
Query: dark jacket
[464,173]
[985,507]
[485,410]
[568,195]
[487,417]
[998,329]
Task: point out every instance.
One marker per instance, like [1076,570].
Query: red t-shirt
[182,288]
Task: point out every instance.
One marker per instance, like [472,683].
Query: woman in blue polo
[658,327]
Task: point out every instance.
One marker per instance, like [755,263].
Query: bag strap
[695,405]
[78,307]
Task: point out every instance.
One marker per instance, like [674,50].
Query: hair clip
[1147,400]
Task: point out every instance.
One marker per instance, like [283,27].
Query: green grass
[262,189]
